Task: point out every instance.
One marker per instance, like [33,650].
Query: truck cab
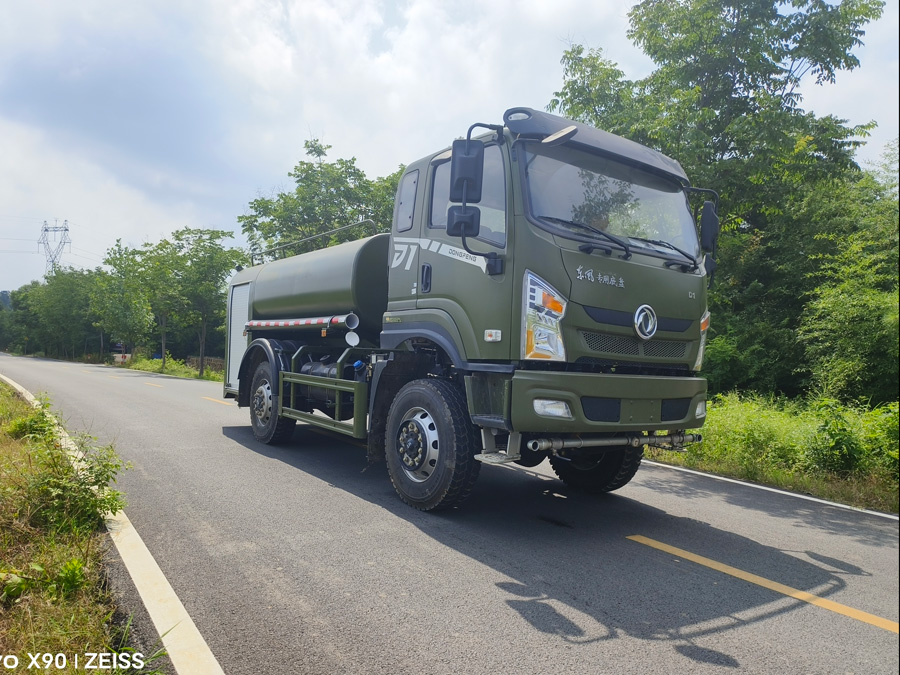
[593,318]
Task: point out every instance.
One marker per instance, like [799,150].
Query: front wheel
[267,426]
[430,445]
[602,473]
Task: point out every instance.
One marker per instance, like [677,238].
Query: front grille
[665,349]
[597,365]
[612,344]
[631,346]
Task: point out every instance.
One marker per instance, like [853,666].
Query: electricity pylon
[53,254]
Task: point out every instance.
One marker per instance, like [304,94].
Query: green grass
[846,454]
[53,594]
[174,367]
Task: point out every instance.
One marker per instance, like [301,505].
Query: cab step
[497,458]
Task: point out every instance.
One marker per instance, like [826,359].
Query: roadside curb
[184,645]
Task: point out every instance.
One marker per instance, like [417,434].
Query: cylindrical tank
[350,277]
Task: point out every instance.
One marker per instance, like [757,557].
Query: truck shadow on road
[567,567]
[871,531]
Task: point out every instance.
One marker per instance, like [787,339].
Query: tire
[604,473]
[267,426]
[430,445]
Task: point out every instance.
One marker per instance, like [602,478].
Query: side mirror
[466,171]
[709,227]
[463,221]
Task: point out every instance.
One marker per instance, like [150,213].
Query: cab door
[404,268]
[454,288]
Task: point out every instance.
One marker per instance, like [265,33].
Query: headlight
[704,327]
[541,315]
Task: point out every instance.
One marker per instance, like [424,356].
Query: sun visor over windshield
[529,123]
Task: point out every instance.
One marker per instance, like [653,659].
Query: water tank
[349,277]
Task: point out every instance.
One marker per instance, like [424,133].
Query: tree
[119,298]
[63,309]
[725,101]
[206,269]
[850,329]
[328,195]
[161,269]
[7,328]
[25,330]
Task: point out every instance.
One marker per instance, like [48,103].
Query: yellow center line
[150,384]
[215,400]
[771,585]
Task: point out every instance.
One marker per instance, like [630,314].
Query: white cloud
[134,119]
[41,180]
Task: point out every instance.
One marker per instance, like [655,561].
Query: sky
[130,120]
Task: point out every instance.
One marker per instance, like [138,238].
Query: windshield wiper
[587,248]
[672,263]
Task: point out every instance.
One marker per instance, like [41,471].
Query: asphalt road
[301,559]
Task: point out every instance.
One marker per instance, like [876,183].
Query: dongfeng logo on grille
[645,322]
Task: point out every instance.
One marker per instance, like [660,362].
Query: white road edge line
[889,516]
[184,644]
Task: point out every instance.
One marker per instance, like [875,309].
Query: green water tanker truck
[541,295]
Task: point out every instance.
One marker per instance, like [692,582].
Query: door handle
[426,278]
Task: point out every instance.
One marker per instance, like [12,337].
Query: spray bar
[544,444]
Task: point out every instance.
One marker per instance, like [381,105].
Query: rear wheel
[601,473]
[430,445]
[268,427]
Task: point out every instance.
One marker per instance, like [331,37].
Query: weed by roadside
[53,594]
[174,367]
[847,454]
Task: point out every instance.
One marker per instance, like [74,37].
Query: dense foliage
[805,230]
[174,285]
[328,196]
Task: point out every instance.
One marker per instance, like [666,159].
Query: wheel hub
[412,454]
[262,402]
[417,444]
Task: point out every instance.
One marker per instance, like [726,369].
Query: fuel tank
[349,277]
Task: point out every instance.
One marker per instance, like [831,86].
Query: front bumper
[606,403]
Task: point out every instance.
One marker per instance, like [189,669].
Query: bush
[754,433]
[837,445]
[881,439]
[174,367]
[73,496]
[54,489]
[39,424]
[823,447]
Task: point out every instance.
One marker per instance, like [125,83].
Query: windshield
[574,194]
